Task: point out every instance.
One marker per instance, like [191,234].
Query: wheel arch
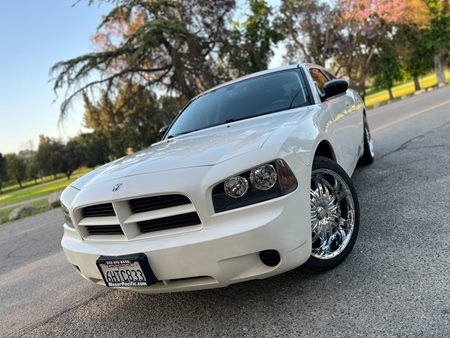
[325,149]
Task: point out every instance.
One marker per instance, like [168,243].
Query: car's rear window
[261,95]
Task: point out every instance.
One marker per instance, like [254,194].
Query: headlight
[236,186]
[263,177]
[66,214]
[268,181]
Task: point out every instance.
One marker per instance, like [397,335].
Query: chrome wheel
[332,213]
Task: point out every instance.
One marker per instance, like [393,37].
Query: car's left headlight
[261,183]
[66,214]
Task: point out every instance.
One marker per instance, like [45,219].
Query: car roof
[263,72]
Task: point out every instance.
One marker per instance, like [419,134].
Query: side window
[319,78]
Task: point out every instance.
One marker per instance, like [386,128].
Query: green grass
[13,194]
[403,89]
[40,205]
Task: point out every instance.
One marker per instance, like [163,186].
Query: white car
[249,181]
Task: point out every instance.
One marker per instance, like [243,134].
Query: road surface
[396,282]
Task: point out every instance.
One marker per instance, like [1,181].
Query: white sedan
[251,179]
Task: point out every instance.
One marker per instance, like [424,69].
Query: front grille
[157,202]
[99,210]
[148,214]
[104,229]
[169,222]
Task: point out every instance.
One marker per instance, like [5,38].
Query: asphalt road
[396,282]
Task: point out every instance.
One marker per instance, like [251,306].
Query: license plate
[123,271]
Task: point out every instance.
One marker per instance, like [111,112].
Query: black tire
[323,264]
[368,155]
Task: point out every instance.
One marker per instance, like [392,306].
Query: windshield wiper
[238,119]
[185,132]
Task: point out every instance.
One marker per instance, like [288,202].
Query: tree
[3,171]
[368,25]
[412,46]
[250,43]
[347,34]
[29,158]
[169,107]
[387,68]
[95,148]
[169,45]
[312,29]
[33,169]
[16,168]
[72,157]
[131,119]
[438,36]
[49,156]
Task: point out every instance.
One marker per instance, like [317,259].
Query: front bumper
[223,252]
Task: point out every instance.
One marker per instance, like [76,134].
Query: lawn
[403,89]
[40,205]
[13,194]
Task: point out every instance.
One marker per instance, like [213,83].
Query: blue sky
[35,34]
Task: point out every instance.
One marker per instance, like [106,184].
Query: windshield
[261,95]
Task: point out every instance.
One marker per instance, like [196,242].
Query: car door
[341,132]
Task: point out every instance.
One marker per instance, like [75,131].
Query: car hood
[202,148]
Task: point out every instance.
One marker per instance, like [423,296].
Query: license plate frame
[114,270]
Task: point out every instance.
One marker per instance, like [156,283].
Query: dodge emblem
[117,187]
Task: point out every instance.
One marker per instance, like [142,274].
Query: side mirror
[163,130]
[334,87]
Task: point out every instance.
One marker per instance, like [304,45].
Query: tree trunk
[391,97]
[416,83]
[20,184]
[439,69]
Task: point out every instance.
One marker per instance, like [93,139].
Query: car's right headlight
[66,214]
[261,183]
